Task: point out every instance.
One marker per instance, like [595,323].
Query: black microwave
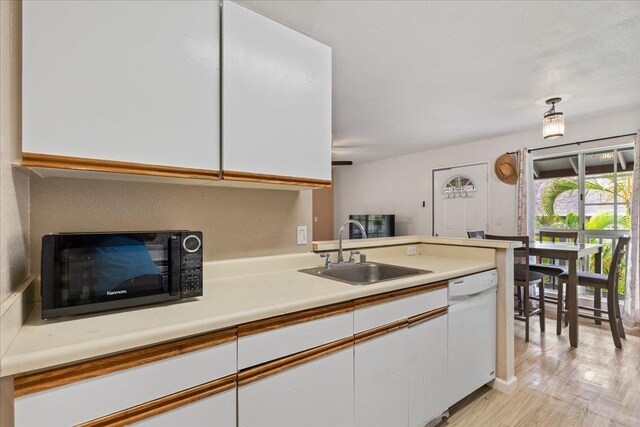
[92,272]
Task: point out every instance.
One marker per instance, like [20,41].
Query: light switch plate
[302,234]
[411,250]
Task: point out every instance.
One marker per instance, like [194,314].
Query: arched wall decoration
[459,186]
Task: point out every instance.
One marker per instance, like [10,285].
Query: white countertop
[226,302]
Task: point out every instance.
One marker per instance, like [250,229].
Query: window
[602,214]
[557,193]
[459,186]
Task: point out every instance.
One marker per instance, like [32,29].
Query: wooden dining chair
[476,234]
[609,283]
[553,270]
[524,278]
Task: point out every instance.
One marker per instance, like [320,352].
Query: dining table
[572,253]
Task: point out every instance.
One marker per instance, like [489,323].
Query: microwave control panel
[191,274]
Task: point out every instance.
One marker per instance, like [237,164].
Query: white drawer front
[269,345]
[218,410]
[85,400]
[388,312]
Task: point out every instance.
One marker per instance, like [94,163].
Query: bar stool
[523,278]
[608,283]
[554,271]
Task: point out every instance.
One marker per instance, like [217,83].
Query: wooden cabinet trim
[163,404]
[400,293]
[414,320]
[112,166]
[44,380]
[268,369]
[293,318]
[274,179]
[382,330]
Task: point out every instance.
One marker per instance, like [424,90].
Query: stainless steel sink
[364,273]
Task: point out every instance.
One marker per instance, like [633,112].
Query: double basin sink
[365,273]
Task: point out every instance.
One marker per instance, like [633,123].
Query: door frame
[433,193]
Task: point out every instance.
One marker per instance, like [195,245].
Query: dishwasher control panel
[473,284]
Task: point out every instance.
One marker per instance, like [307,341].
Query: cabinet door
[276,99]
[427,370]
[315,393]
[127,81]
[218,410]
[381,384]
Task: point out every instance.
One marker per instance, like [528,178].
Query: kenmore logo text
[116,292]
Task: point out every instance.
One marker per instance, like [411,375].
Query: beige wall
[14,185]
[236,222]
[323,214]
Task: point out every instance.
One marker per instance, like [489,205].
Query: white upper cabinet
[124,81]
[276,100]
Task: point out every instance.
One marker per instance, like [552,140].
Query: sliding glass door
[589,192]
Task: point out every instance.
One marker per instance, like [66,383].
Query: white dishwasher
[471,334]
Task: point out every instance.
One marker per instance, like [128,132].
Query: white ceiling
[413,75]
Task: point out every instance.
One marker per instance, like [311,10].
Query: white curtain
[526,223]
[631,313]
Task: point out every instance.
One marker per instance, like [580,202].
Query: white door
[460,200]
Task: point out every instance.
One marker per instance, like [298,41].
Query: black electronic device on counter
[93,272]
[374,225]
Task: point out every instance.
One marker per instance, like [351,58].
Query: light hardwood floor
[593,385]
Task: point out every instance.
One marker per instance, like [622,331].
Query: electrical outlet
[302,234]
[411,250]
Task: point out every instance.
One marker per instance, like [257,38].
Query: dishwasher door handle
[458,298]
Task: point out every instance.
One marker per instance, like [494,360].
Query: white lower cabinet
[190,376]
[218,410]
[317,393]
[427,370]
[381,383]
[106,394]
[312,372]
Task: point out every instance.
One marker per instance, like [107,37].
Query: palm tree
[604,185]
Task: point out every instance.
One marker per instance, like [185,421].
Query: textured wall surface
[14,185]
[323,214]
[235,222]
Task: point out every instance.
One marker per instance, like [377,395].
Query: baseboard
[506,387]
[14,311]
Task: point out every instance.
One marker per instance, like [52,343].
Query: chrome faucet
[350,221]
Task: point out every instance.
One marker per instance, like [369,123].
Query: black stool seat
[586,278]
[548,269]
[519,275]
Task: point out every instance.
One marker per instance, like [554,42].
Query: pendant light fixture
[553,123]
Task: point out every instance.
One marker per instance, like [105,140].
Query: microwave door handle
[174,265]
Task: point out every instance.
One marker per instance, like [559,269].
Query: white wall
[14,185]
[399,185]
